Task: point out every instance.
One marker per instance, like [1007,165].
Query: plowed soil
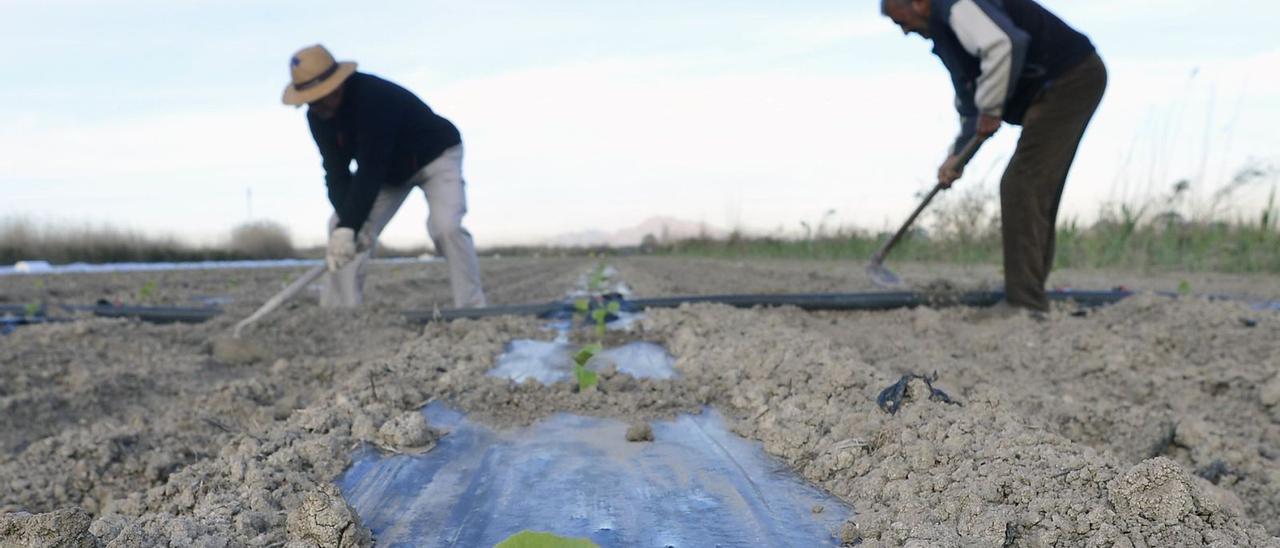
[1153,422]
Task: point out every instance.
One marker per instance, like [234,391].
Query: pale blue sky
[158,115]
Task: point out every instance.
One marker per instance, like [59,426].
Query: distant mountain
[584,238]
[662,228]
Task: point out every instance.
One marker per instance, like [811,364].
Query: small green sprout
[598,315]
[31,310]
[39,284]
[1184,288]
[581,309]
[538,539]
[148,290]
[586,377]
[596,283]
[601,316]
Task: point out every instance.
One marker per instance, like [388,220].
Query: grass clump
[23,239]
[1171,231]
[261,240]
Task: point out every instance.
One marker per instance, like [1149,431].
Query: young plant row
[599,316]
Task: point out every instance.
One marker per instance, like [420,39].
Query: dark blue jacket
[1001,53]
[388,131]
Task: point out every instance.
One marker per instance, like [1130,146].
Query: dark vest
[1044,48]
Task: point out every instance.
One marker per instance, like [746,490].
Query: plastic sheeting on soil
[695,485]
[550,362]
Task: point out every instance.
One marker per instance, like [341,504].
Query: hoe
[881,275]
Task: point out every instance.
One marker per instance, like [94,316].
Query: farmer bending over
[398,143]
[1015,61]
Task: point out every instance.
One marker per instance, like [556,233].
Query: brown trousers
[1031,187]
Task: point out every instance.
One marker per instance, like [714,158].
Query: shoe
[1002,310]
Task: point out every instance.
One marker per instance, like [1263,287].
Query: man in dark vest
[398,143]
[1013,60]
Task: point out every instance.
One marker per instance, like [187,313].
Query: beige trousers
[442,184]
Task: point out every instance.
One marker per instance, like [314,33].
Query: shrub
[261,240]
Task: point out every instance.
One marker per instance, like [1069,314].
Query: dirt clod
[234,351]
[1156,489]
[640,431]
[325,520]
[63,528]
[409,430]
[1269,395]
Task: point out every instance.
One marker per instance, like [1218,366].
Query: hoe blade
[882,276]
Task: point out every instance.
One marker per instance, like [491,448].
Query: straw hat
[315,74]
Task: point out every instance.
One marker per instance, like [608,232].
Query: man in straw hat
[398,143]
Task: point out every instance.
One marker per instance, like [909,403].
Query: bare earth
[1154,422]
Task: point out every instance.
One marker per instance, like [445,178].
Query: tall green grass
[1167,231]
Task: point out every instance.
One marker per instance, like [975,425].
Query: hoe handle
[965,155]
[288,293]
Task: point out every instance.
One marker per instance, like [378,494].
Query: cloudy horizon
[576,116]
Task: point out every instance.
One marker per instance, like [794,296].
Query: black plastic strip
[156,314]
[17,310]
[806,301]
[543,309]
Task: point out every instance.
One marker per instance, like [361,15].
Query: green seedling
[596,284]
[31,310]
[1184,288]
[586,377]
[598,315]
[148,290]
[601,316]
[39,284]
[538,539]
[581,309]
